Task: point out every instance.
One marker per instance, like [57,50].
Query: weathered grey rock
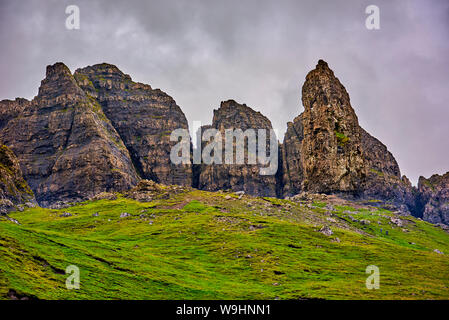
[326,231]
[237,177]
[396,221]
[67,148]
[143,117]
[433,198]
[65,214]
[14,191]
[104,196]
[383,180]
[326,151]
[11,109]
[330,143]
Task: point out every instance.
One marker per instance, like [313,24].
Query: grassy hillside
[192,244]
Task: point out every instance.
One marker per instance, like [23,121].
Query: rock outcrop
[91,132]
[14,191]
[433,198]
[11,109]
[67,148]
[143,117]
[237,177]
[384,180]
[324,142]
[326,151]
[98,132]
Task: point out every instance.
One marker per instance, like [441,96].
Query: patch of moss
[429,184]
[381,174]
[342,139]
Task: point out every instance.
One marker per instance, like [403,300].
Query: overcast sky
[258,53]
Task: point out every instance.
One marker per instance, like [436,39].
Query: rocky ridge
[98,132]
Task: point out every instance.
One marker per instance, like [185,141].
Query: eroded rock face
[147,190]
[245,177]
[330,153]
[292,160]
[67,148]
[326,151]
[384,179]
[434,198]
[96,131]
[143,117]
[11,109]
[14,191]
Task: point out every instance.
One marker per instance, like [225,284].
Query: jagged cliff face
[67,148]
[322,147]
[292,160]
[14,191]
[434,198]
[143,117]
[92,132]
[384,179]
[97,130]
[324,143]
[246,177]
[331,148]
[12,109]
[325,149]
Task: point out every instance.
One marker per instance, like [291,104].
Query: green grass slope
[203,245]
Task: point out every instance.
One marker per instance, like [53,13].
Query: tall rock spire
[331,146]
[325,149]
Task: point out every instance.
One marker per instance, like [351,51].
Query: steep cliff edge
[384,180]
